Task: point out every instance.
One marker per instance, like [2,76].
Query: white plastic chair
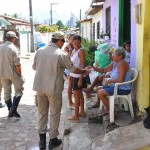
[125,97]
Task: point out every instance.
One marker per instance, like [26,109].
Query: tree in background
[15,15]
[60,24]
[78,25]
[46,28]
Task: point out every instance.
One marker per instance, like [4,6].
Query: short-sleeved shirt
[50,63]
[127,57]
[9,59]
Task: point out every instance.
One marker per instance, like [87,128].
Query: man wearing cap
[50,63]
[10,73]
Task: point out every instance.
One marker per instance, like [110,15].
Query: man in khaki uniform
[1,104]
[50,63]
[10,73]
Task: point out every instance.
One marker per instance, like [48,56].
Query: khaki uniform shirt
[9,58]
[50,63]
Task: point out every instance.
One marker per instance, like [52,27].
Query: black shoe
[42,142]
[54,143]
[14,114]
[10,114]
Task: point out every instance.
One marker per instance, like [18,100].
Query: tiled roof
[14,21]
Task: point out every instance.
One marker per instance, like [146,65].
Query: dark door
[124,21]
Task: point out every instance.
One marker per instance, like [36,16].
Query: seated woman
[120,72]
[98,80]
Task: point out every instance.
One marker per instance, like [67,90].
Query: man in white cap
[50,63]
[10,73]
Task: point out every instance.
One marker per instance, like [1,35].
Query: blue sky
[41,8]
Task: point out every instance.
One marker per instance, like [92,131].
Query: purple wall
[114,4]
[115,26]
[133,35]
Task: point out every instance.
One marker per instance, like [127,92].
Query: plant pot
[106,37]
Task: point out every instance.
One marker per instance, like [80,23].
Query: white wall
[23,28]
[97,17]
[86,30]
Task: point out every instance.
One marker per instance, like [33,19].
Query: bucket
[42,44]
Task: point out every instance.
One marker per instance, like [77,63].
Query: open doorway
[124,21]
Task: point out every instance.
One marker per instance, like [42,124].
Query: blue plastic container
[42,44]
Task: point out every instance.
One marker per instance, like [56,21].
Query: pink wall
[114,19]
[115,26]
[133,35]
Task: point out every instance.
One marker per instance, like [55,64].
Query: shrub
[87,45]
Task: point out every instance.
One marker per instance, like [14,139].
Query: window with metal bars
[93,31]
[108,21]
[98,30]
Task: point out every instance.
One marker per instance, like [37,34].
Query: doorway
[124,21]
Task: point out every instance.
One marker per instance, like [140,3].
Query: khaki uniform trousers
[18,86]
[55,103]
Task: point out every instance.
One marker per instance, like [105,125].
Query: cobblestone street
[21,134]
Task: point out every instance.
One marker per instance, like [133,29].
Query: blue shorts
[110,90]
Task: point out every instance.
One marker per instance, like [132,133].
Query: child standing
[127,47]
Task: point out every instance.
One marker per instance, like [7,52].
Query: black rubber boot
[54,143]
[13,109]
[42,142]
[9,104]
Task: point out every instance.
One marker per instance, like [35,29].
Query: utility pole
[31,25]
[80,14]
[51,12]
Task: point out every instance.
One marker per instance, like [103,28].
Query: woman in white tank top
[79,80]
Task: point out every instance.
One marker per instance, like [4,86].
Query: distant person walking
[10,73]
[50,63]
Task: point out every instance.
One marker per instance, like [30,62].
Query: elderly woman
[120,72]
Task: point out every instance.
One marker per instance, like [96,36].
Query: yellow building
[143,54]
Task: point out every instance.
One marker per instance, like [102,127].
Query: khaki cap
[58,35]
[11,34]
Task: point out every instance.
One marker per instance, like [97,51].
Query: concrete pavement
[21,134]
